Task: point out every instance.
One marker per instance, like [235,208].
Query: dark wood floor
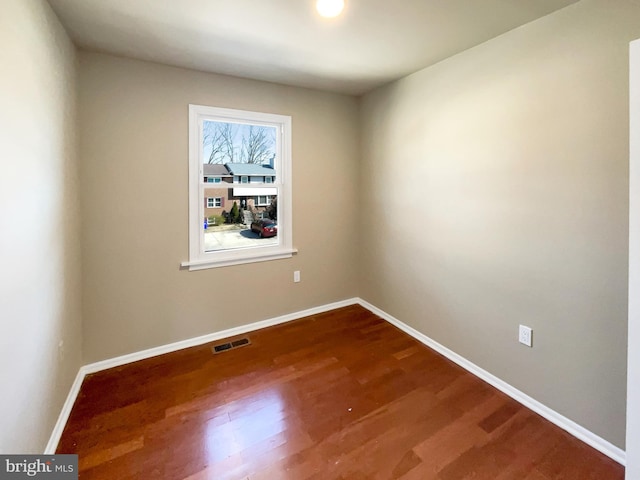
[341,395]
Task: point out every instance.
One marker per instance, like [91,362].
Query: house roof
[215,169]
[249,169]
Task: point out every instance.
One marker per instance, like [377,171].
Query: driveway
[221,240]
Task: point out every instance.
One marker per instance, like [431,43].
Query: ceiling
[285,41]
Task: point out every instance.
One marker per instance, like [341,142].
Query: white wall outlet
[296,276]
[524,335]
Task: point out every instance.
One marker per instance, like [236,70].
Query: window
[262,201]
[252,146]
[214,202]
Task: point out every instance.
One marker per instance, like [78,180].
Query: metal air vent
[225,347]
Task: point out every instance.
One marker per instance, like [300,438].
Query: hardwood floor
[341,395]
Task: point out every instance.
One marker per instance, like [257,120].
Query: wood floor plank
[443,448]
[339,395]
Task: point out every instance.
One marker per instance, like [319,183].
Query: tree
[212,136]
[257,145]
[220,137]
[272,209]
[228,132]
[234,214]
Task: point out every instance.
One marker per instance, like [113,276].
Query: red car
[265,228]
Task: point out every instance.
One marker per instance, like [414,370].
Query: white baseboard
[64,413]
[212,337]
[172,347]
[554,417]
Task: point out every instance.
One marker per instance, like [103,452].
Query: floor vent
[224,347]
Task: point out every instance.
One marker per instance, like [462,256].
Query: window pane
[243,222]
[248,150]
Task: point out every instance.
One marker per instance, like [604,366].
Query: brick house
[216,191]
[232,182]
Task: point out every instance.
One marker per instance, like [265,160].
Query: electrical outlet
[524,335]
[296,276]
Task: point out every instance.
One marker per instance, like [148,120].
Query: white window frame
[244,179]
[257,202]
[217,200]
[198,258]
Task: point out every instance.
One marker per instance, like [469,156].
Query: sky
[239,131]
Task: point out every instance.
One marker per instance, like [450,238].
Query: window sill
[215,263]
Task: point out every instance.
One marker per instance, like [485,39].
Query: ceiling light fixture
[329,8]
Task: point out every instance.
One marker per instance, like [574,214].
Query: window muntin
[263,139]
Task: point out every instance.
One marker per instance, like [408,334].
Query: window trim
[198,258]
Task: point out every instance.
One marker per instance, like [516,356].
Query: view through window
[242,164]
[240,159]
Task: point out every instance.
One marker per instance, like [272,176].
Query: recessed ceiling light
[330,8]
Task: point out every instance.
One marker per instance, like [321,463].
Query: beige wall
[505,174]
[39,239]
[492,192]
[133,131]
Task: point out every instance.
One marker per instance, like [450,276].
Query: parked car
[265,228]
